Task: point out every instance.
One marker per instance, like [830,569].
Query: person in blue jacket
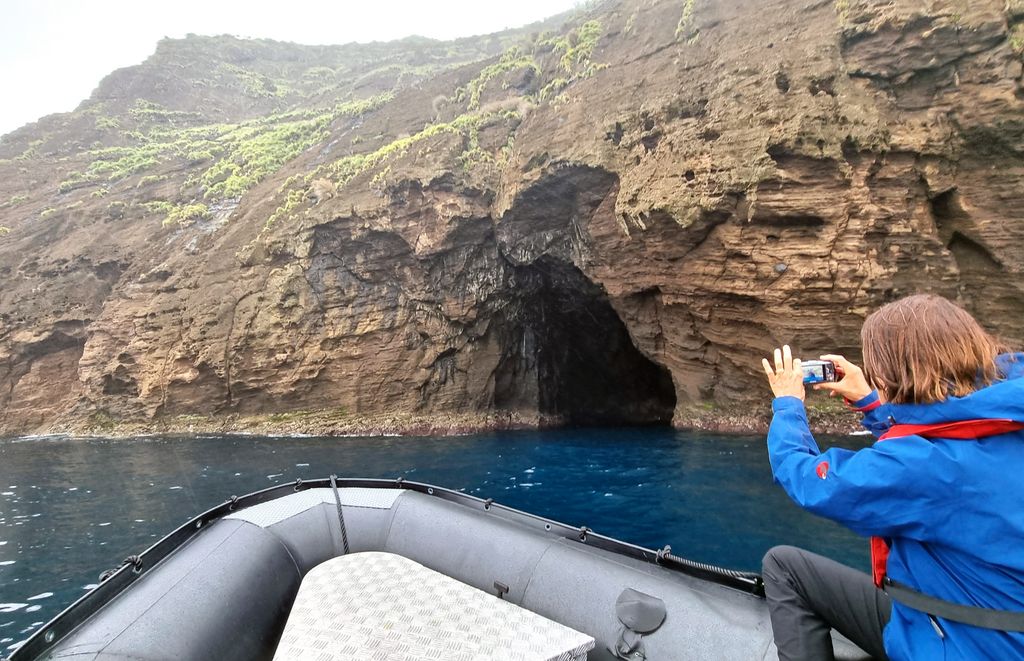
[942,492]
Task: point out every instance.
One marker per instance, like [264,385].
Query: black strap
[341,515]
[986,618]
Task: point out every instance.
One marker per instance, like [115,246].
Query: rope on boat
[341,515]
[133,560]
[665,554]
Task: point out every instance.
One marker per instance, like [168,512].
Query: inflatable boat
[382,569]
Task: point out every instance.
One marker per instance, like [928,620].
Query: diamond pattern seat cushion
[384,607]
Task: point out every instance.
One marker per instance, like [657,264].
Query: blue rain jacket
[952,510]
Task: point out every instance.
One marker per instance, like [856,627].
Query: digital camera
[818,371]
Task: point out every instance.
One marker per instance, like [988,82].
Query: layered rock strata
[605,220]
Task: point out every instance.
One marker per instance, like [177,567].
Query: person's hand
[853,386]
[787,379]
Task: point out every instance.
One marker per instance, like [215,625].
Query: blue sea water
[71,508]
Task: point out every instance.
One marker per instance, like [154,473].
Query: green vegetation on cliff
[176,214]
[510,60]
[528,75]
[575,51]
[182,165]
[227,160]
[684,29]
[577,56]
[246,154]
[468,125]
[293,199]
[14,201]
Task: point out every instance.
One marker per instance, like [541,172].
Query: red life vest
[963,430]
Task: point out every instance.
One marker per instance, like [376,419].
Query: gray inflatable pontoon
[223,586]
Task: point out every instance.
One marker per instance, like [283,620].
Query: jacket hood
[1002,399]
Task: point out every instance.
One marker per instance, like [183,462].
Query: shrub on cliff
[188,213]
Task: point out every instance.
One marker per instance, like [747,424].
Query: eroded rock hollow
[569,356]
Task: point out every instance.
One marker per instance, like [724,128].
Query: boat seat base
[385,606]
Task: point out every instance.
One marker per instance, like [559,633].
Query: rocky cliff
[607,218]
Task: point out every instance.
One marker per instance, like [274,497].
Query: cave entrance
[568,355]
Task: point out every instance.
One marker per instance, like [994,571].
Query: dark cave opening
[569,356]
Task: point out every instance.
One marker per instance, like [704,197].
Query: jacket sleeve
[897,488]
[876,414]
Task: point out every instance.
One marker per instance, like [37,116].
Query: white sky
[53,53]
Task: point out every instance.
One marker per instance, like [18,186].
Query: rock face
[605,219]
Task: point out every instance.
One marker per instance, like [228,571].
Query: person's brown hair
[923,349]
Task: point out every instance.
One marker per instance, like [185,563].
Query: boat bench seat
[385,606]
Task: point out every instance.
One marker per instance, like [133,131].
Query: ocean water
[72,508]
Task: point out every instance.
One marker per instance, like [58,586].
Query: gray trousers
[809,595]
